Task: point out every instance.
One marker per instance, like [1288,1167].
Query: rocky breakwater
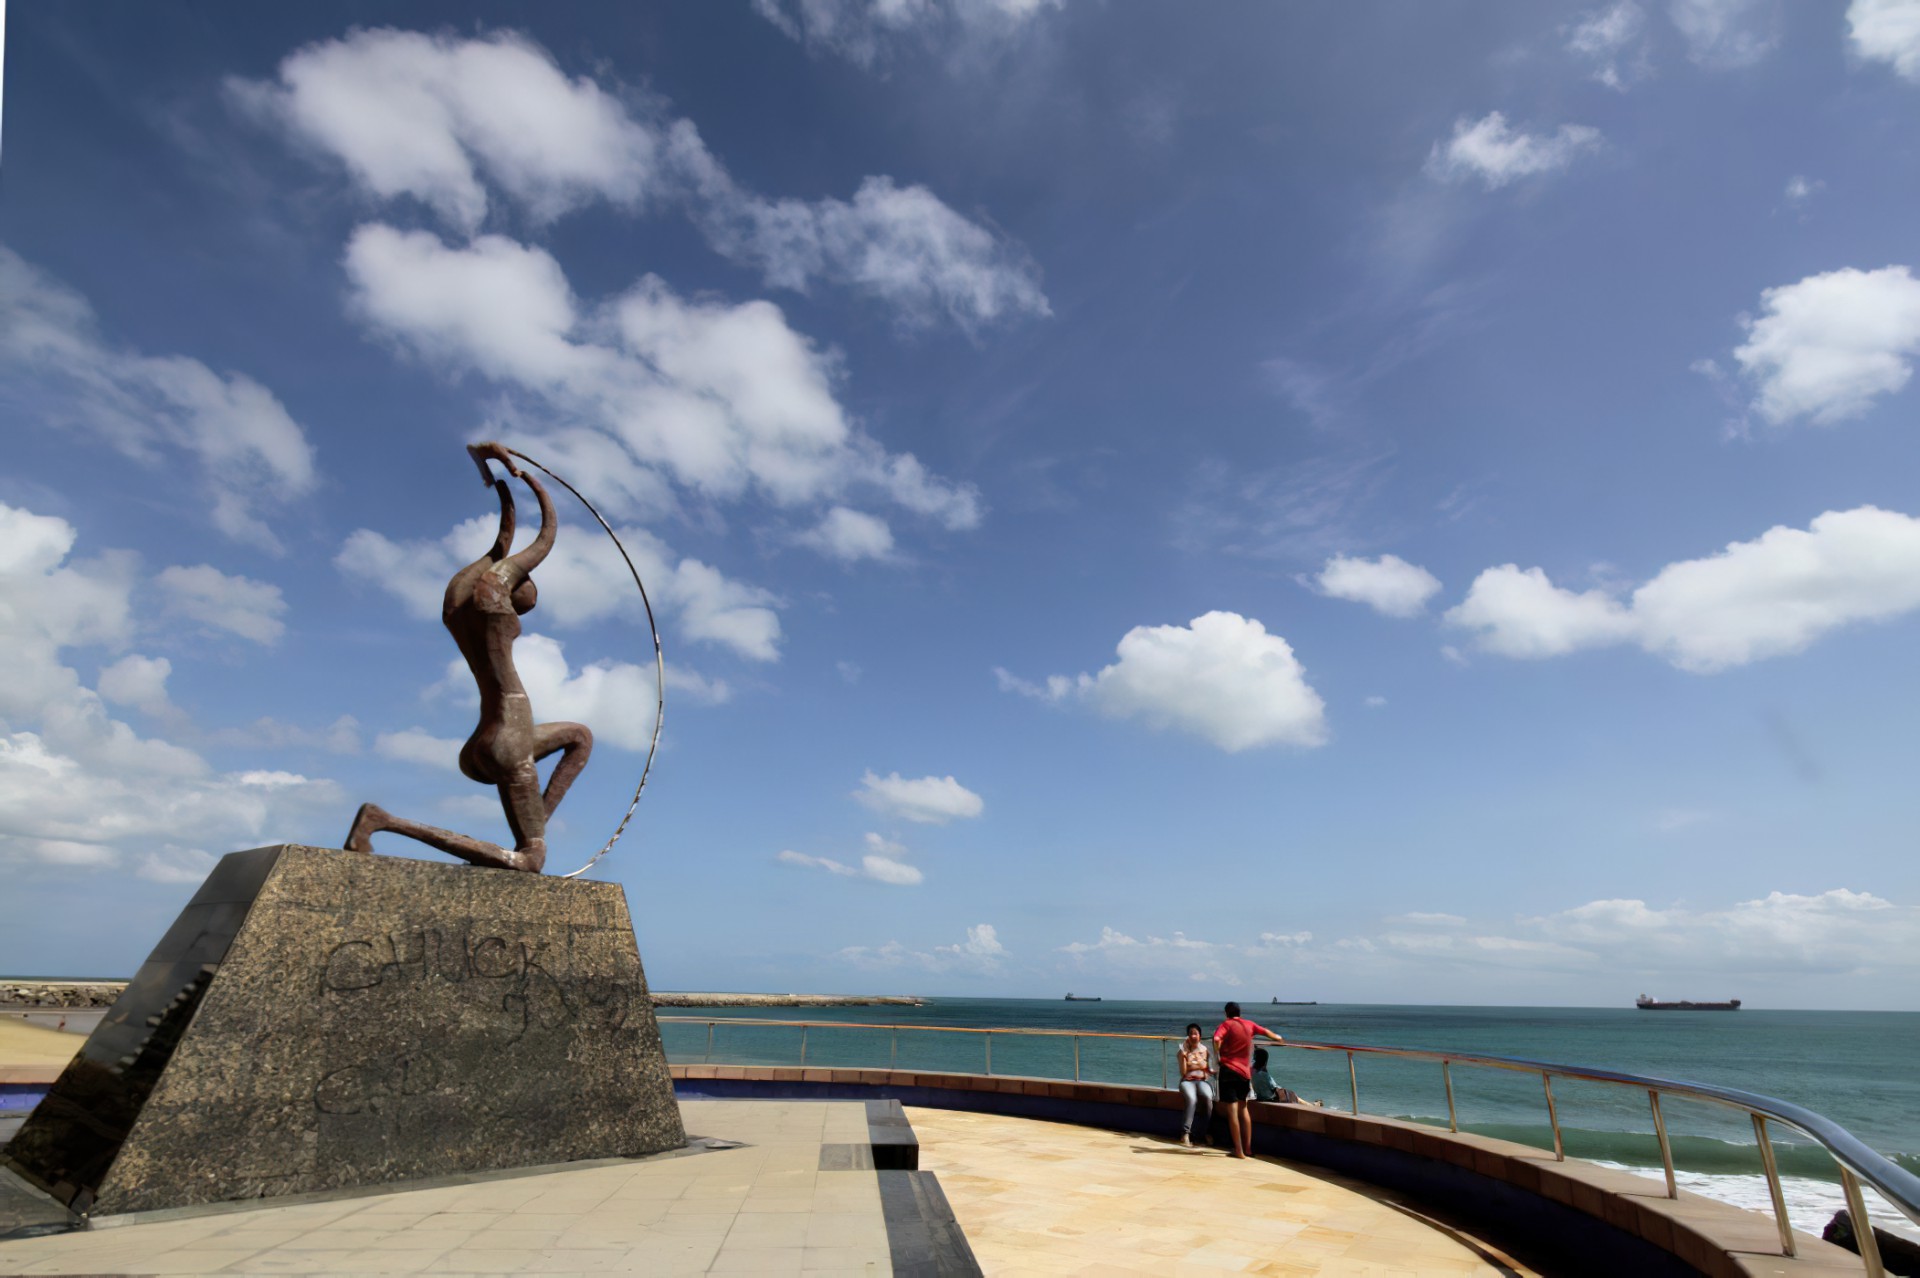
[59,994]
[64,994]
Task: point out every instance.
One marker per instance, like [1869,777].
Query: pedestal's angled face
[372,1020]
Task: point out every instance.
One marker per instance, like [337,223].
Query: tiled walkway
[1049,1198]
[1032,1197]
[767,1208]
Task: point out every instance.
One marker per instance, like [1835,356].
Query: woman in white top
[1196,1083]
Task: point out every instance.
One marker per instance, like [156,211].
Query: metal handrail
[1858,1162]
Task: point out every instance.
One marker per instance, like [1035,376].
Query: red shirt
[1234,1043]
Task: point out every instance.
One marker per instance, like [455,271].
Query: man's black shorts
[1233,1087]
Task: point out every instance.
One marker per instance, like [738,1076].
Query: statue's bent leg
[371,820]
[526,814]
[577,741]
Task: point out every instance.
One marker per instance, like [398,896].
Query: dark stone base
[317,1019]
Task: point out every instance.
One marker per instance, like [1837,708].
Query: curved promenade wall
[1601,1220]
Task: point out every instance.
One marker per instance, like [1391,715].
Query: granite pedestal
[317,1019]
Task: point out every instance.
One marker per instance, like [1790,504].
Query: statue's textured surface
[484,604]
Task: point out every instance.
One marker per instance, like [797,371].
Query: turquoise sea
[1861,1069]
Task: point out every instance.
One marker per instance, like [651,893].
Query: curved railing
[1857,1162]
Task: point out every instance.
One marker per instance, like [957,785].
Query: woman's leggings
[1197,1090]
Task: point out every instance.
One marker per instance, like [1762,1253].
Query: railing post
[1446,1073]
[893,1051]
[989,1053]
[1553,1117]
[1666,1150]
[1163,1062]
[709,1055]
[1353,1081]
[1862,1227]
[1773,1186]
[1076,1058]
[803,1045]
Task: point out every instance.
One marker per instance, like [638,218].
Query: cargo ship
[1646,1004]
[1083,998]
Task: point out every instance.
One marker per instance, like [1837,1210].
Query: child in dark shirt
[1264,1088]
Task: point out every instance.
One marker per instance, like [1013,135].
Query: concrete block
[317,1020]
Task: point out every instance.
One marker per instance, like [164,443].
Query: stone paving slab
[1054,1198]
[766,1207]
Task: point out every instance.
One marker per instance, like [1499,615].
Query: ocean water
[1860,1069]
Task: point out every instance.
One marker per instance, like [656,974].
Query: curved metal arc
[659,661]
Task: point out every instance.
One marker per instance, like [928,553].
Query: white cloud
[697,687]
[583,580]
[426,116]
[801,859]
[863,30]
[442,118]
[1693,951]
[1489,149]
[1520,613]
[417,745]
[888,870]
[1222,678]
[884,862]
[1613,40]
[78,787]
[881,845]
[1389,585]
[1375,702]
[850,535]
[724,400]
[981,952]
[1836,931]
[1800,189]
[137,681]
[1056,688]
[982,942]
[1887,31]
[249,453]
[1224,963]
[927,800]
[1772,596]
[902,245]
[1777,594]
[1725,35]
[239,605]
[1825,347]
[179,865]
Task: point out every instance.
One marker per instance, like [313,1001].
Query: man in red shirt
[1233,1044]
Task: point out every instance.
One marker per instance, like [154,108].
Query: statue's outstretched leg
[577,741]
[370,820]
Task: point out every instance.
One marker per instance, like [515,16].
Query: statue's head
[525,595]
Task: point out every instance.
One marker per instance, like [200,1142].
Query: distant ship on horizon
[1083,998]
[1647,1004]
[1295,1002]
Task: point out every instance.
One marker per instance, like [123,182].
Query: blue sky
[1378,502]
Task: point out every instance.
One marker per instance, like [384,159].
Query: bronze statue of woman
[484,604]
